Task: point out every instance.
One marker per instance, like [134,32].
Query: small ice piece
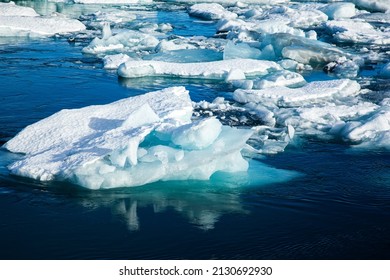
[373,5]
[11,9]
[339,10]
[311,92]
[343,68]
[197,135]
[357,31]
[210,11]
[208,70]
[385,71]
[37,26]
[112,62]
[280,78]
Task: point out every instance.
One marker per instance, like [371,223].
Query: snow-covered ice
[103,146]
[210,11]
[38,26]
[209,70]
[18,21]
[357,31]
[11,9]
[311,92]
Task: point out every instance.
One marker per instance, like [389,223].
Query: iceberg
[130,142]
[209,70]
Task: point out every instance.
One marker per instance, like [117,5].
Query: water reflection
[201,203]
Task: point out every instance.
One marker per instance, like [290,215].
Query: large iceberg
[130,142]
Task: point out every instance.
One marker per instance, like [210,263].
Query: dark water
[338,208]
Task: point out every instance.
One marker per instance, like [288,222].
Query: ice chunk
[209,70]
[210,11]
[35,26]
[280,78]
[197,135]
[11,9]
[373,5]
[241,50]
[357,31]
[304,50]
[339,10]
[301,18]
[368,128]
[311,92]
[127,40]
[130,142]
[385,71]
[113,61]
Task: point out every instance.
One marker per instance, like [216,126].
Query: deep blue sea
[337,207]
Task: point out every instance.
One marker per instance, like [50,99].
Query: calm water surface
[337,208]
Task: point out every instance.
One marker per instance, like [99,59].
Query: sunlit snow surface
[294,71]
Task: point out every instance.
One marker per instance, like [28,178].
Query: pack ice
[130,142]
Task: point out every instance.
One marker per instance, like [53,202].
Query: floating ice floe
[210,11]
[130,142]
[357,31]
[18,21]
[209,70]
[370,131]
[11,9]
[373,5]
[311,92]
[339,10]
